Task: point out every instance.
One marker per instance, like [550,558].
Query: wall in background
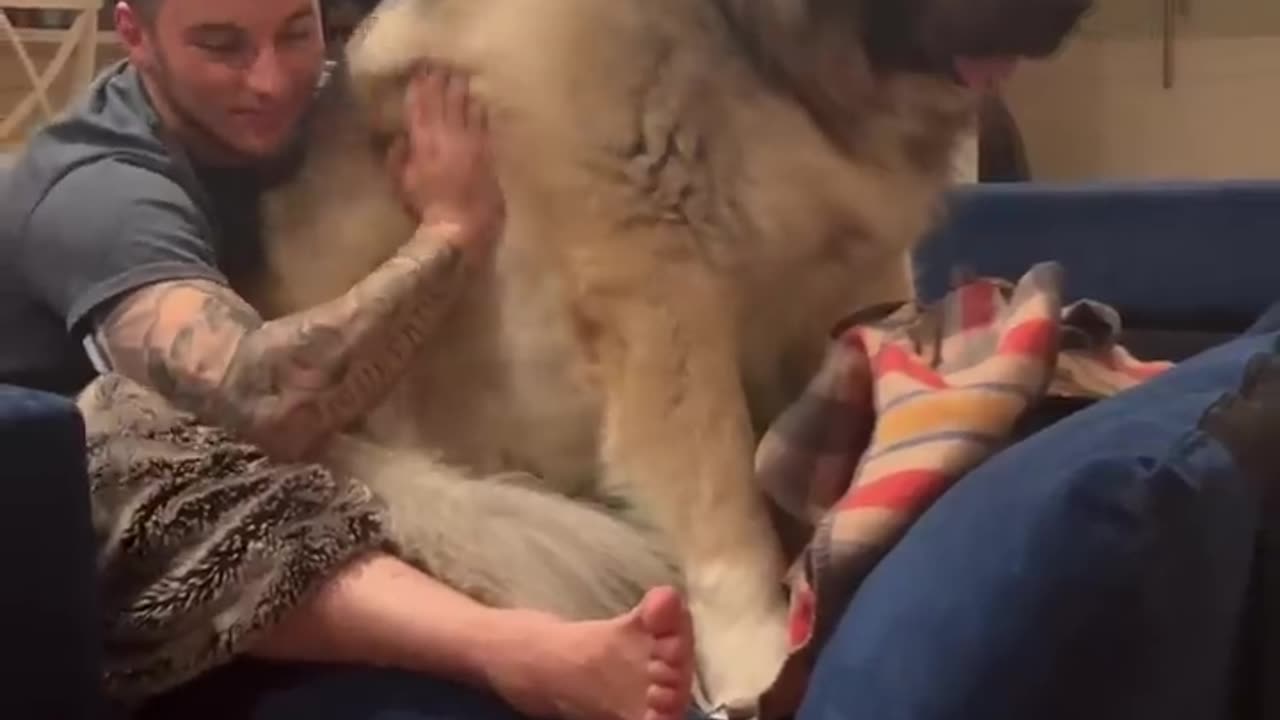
[1100,109]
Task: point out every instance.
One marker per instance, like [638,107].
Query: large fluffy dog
[697,191]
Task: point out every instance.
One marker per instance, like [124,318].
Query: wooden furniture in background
[49,51]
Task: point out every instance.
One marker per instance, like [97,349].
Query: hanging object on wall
[1174,10]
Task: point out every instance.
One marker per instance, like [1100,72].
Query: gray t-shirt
[100,204]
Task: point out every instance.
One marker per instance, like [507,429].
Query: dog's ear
[813,49]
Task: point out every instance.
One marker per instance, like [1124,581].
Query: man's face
[237,73]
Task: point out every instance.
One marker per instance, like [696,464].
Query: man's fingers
[439,95]
[397,156]
[477,116]
[413,108]
[455,101]
[422,98]
[397,160]
[431,102]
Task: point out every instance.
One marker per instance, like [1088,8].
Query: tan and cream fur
[697,191]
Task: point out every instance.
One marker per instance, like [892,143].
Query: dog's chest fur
[610,116]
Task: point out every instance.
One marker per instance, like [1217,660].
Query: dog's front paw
[741,645]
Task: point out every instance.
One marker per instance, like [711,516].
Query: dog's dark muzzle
[1044,32]
[998,28]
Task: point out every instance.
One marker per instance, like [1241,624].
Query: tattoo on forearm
[290,381]
[390,316]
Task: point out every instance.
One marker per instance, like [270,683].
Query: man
[125,228]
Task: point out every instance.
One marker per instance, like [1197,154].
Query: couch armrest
[48,612]
[1183,256]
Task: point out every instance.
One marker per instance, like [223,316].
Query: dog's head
[842,58]
[974,42]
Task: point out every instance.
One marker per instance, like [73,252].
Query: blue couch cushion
[248,689]
[1098,569]
[48,611]
[1184,255]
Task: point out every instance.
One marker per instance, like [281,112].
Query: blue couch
[1189,265]
[1119,562]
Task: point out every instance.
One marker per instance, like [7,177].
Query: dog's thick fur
[697,191]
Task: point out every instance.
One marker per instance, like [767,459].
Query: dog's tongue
[985,74]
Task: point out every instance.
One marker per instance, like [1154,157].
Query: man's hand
[444,165]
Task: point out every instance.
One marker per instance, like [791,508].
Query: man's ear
[133,33]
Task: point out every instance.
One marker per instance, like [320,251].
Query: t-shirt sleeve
[109,228]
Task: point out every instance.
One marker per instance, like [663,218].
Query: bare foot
[637,666]
[663,617]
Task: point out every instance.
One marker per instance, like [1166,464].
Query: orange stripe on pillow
[947,412]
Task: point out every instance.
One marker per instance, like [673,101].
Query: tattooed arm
[287,384]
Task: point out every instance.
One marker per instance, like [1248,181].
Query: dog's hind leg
[505,543]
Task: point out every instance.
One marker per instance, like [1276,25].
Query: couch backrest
[1176,255]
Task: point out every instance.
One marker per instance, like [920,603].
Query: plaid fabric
[907,401]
